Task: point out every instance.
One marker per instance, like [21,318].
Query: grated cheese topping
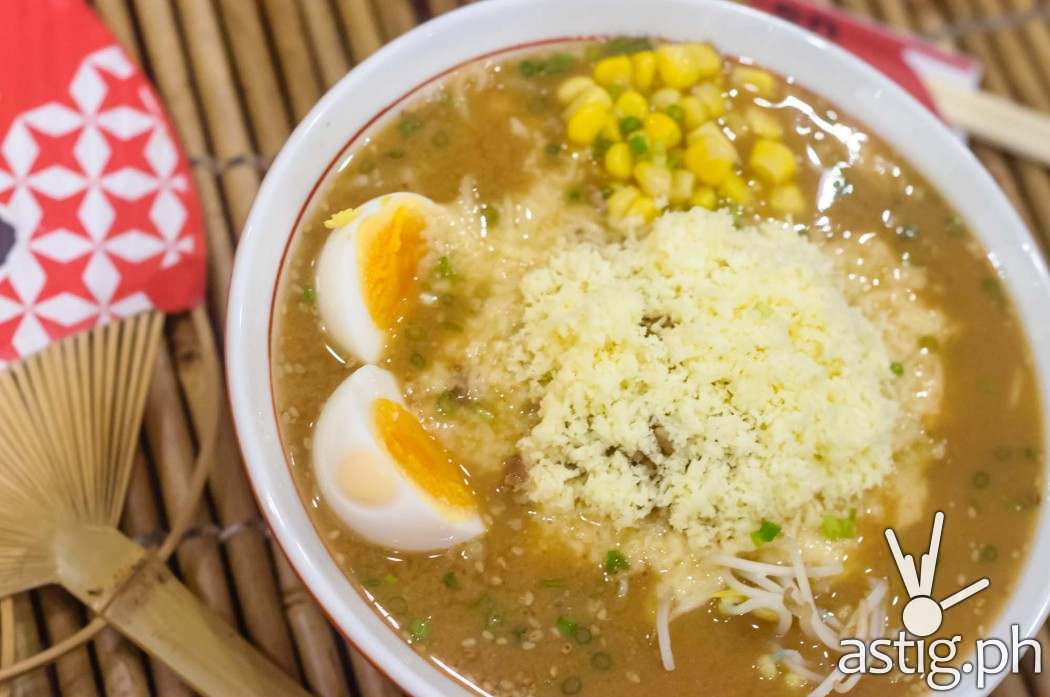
[704,376]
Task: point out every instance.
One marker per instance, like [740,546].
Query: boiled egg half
[388,478]
[366,273]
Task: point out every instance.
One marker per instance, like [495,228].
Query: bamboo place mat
[237,75]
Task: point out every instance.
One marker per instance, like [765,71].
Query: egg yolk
[420,456]
[389,250]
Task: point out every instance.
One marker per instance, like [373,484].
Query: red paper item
[98,216]
[902,58]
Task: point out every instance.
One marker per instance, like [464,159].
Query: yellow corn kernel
[682,181]
[619,161]
[763,124]
[655,180]
[616,70]
[644,63]
[632,103]
[644,208]
[707,60]
[705,197]
[711,96]
[787,198]
[734,188]
[621,201]
[611,130]
[662,129]
[710,155]
[664,98]
[677,65]
[585,124]
[571,88]
[695,113]
[753,80]
[772,161]
[591,95]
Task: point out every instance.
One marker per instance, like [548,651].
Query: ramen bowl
[371,96]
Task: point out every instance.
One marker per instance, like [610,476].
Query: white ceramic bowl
[493,26]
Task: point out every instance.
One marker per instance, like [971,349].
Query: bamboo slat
[299,74]
[395,17]
[439,7]
[361,28]
[27,643]
[63,617]
[142,521]
[322,26]
[218,98]
[254,73]
[171,450]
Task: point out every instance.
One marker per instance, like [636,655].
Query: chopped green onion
[566,626]
[389,579]
[615,562]
[630,124]
[601,146]
[419,629]
[309,295]
[638,144]
[440,139]
[417,360]
[490,215]
[574,195]
[552,583]
[553,149]
[767,532]
[675,112]
[835,528]
[981,479]
[991,286]
[620,45]
[452,326]
[1029,453]
[447,403]
[1002,453]
[450,581]
[989,553]
[395,154]
[571,685]
[897,368]
[582,635]
[607,191]
[408,125]
[396,605]
[484,414]
[554,65]
[444,268]
[601,661]
[929,343]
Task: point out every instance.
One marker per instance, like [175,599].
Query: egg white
[345,436]
[340,297]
